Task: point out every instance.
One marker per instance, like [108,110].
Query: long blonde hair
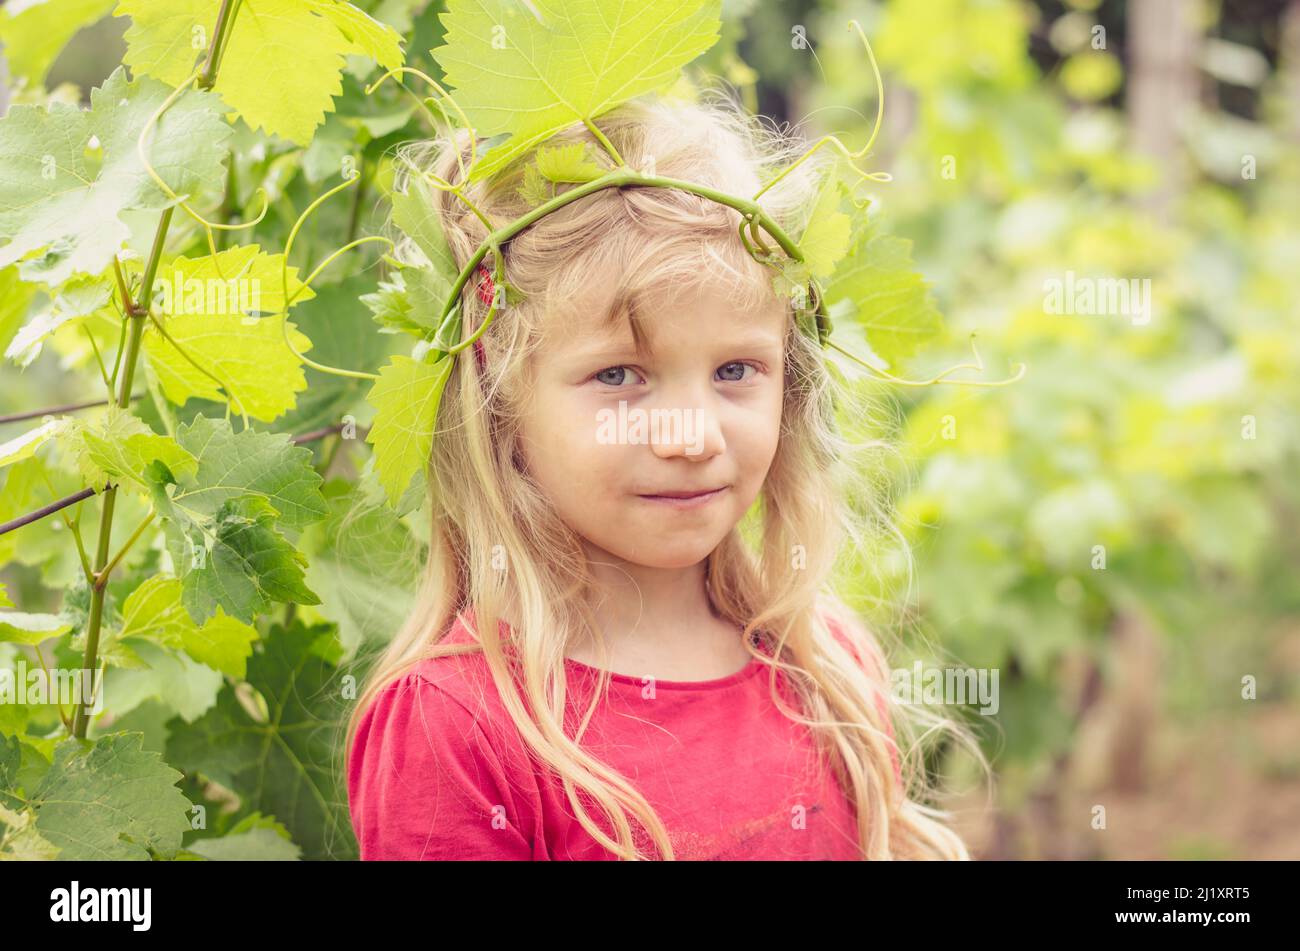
[482,502]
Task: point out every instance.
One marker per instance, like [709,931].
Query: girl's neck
[656,620]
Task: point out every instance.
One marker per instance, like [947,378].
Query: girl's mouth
[683,500]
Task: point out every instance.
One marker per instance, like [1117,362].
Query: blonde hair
[482,500]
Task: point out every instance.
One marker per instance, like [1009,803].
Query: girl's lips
[691,502]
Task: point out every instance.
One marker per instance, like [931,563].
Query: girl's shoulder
[463,675]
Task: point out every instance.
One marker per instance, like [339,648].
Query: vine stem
[748,208]
[136,319]
[102,578]
[81,719]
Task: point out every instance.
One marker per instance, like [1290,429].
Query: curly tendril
[208,226]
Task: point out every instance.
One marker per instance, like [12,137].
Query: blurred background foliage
[1116,534]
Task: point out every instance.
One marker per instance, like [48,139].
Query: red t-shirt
[439,771]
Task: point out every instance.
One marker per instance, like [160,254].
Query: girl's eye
[614,371]
[616,376]
[742,367]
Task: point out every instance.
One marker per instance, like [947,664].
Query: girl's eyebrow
[606,348]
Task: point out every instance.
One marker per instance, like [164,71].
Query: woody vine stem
[136,312]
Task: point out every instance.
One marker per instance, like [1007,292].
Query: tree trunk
[1162,89]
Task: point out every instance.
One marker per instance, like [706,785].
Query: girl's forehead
[659,318]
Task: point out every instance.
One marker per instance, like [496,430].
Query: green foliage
[526,75]
[50,198]
[295,47]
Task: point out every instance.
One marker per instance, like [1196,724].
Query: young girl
[626,647]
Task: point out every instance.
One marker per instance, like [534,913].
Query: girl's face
[700,411]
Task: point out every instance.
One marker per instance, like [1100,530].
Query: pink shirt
[439,771]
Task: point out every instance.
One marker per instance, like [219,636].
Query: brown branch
[88,492]
[50,509]
[66,408]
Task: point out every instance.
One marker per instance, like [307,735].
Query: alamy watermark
[211,296]
[639,427]
[950,685]
[1099,296]
[62,685]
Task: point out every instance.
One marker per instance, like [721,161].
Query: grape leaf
[21,842]
[365,564]
[78,297]
[206,306]
[185,687]
[253,845]
[120,446]
[235,464]
[52,196]
[283,766]
[19,628]
[344,336]
[885,294]
[406,398]
[154,612]
[112,800]
[24,446]
[35,33]
[530,74]
[222,523]
[413,212]
[558,163]
[250,566]
[573,162]
[825,240]
[294,48]
[410,301]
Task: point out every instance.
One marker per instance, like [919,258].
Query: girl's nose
[694,432]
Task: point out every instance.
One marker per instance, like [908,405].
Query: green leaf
[530,75]
[21,842]
[825,240]
[365,564]
[25,446]
[410,301]
[283,59]
[120,446]
[574,162]
[19,628]
[253,845]
[406,398]
[222,523]
[236,464]
[79,297]
[185,687]
[206,306]
[344,335]
[55,196]
[284,764]
[112,800]
[413,212]
[249,566]
[883,293]
[35,33]
[154,612]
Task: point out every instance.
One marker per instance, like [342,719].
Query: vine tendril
[941,377]
[836,143]
[208,226]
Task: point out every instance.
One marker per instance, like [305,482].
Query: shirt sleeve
[425,783]
[876,671]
